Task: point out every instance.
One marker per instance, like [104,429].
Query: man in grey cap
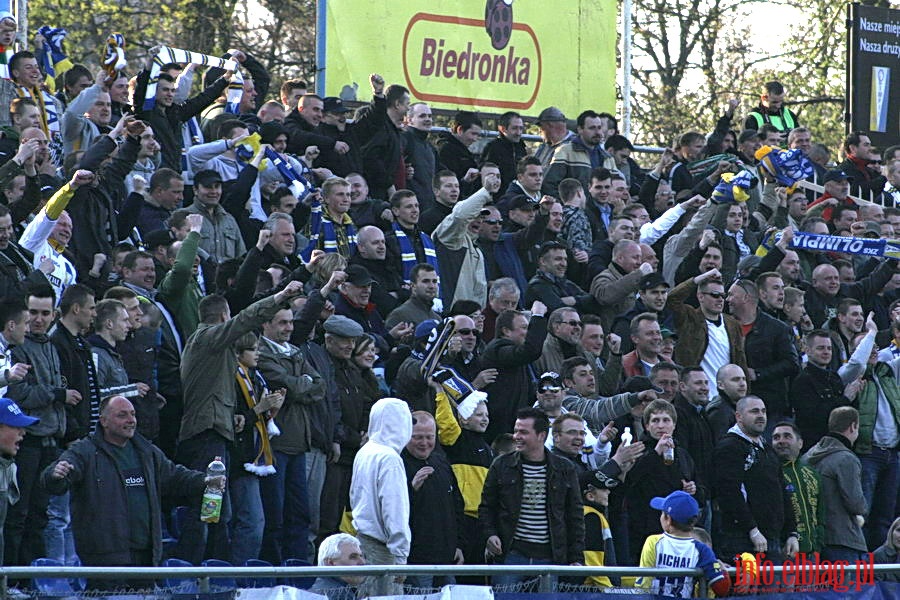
[355,399]
[552,122]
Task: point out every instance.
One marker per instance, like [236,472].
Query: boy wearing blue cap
[675,548]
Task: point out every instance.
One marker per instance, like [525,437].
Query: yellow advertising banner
[486,55]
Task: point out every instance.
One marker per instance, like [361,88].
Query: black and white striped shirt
[533,526]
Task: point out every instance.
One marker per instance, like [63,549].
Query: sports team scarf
[114,58]
[175,55]
[324,229]
[264,463]
[53,58]
[786,166]
[299,185]
[408,254]
[848,245]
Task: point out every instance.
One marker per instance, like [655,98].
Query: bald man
[826,290]
[371,253]
[127,532]
[615,288]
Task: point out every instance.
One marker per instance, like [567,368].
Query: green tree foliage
[691,56]
[204,25]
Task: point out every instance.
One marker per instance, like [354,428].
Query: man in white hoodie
[378,494]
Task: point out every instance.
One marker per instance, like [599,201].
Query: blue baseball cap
[679,505]
[12,415]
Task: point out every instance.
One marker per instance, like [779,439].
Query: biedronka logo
[494,62]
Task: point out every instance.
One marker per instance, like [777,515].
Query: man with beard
[804,485]
[731,386]
[753,501]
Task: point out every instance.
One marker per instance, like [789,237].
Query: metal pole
[626,68]
[321,27]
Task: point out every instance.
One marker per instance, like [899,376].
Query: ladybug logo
[498,22]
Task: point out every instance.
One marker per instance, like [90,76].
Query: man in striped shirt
[531,508]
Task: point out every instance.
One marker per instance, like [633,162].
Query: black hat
[359,275]
[207,177]
[268,132]
[594,479]
[160,237]
[333,104]
[520,202]
[835,175]
[651,280]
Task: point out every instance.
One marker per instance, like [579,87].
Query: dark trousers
[335,498]
[286,507]
[27,519]
[201,540]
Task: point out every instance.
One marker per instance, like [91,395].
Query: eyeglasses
[466,331]
[716,295]
[549,389]
[573,323]
[492,221]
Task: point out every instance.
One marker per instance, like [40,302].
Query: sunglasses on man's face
[716,295]
[550,389]
[492,221]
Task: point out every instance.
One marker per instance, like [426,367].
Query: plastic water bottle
[627,438]
[211,508]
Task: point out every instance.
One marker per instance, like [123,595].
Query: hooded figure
[378,492]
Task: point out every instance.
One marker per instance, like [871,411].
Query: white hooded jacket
[378,495]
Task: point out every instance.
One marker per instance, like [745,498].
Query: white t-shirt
[718,350]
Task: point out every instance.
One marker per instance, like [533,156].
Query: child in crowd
[676,548]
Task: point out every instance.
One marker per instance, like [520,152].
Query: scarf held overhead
[846,245]
[175,55]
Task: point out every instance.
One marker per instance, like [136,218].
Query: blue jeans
[835,553]
[247,518]
[879,484]
[516,558]
[286,505]
[58,535]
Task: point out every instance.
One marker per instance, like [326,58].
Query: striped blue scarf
[408,253]
[322,228]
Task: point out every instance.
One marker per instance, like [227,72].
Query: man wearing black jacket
[166,116]
[772,358]
[747,478]
[435,501]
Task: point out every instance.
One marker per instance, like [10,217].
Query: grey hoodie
[841,475]
[378,494]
